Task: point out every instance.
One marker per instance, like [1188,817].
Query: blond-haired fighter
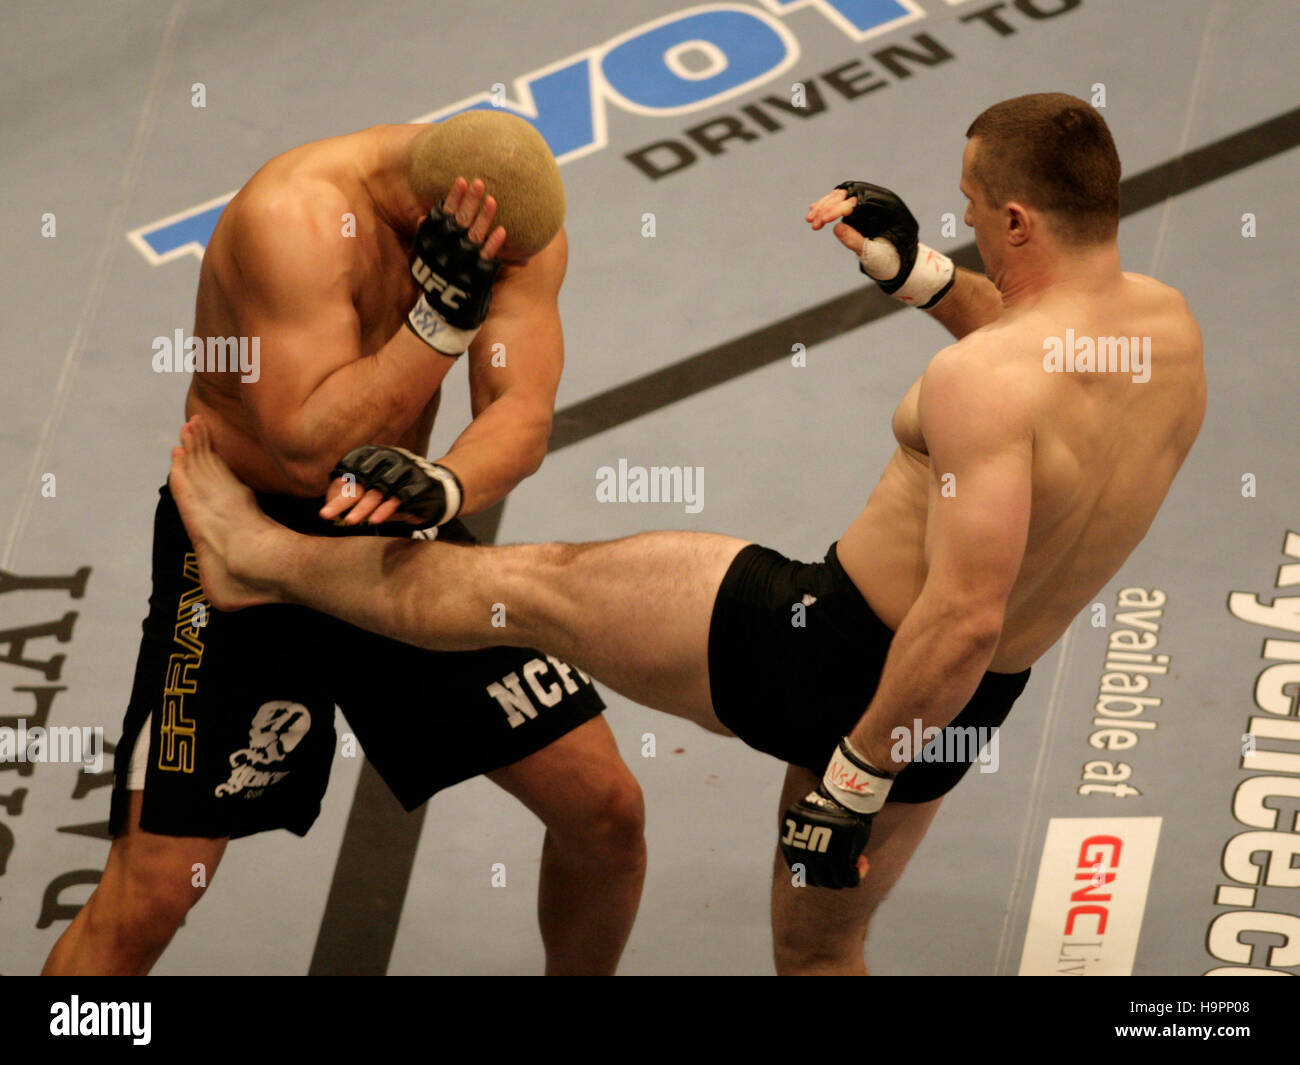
[1017,490]
[364,265]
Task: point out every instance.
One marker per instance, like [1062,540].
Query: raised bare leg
[635,612]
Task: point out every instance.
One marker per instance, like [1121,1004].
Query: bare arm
[514,373]
[972,302]
[316,397]
[981,450]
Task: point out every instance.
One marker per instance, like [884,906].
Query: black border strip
[378,849]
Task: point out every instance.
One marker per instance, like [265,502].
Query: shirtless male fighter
[1015,494]
[230,728]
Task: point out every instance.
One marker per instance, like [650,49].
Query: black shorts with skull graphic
[230,728]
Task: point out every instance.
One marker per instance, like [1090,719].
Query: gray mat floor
[101,133]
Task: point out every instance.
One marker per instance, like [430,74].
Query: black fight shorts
[792,683]
[240,706]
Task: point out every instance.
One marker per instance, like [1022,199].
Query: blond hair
[511,158]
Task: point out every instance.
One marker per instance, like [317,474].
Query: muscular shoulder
[296,208]
[984,377]
[538,281]
[989,360]
[1168,305]
[291,229]
[1151,284]
[1160,293]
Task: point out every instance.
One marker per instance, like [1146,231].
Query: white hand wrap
[854,783]
[433,329]
[932,273]
[879,259]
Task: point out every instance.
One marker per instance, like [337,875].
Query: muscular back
[1104,449]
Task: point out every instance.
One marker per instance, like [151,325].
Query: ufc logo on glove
[432,283]
[815,838]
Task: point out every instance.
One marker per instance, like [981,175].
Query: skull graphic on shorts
[278,728]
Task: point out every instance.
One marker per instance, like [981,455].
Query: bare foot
[225,523]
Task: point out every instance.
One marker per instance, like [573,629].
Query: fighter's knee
[556,555]
[610,826]
[798,955]
[622,821]
[140,915]
[618,821]
[534,567]
[812,935]
[540,595]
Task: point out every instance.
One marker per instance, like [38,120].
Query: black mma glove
[891,255]
[457,283]
[427,491]
[827,830]
[826,838]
